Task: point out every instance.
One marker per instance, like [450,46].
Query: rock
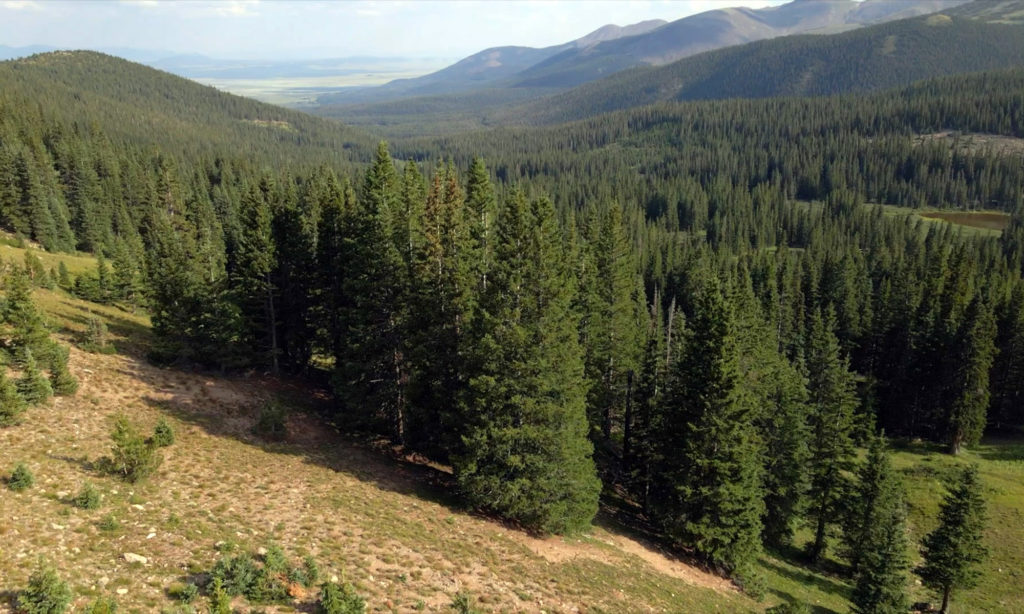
[103,581]
[334,579]
[122,591]
[135,558]
[139,507]
[61,494]
[261,551]
[151,536]
[57,527]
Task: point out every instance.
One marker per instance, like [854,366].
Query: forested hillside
[868,59]
[691,313]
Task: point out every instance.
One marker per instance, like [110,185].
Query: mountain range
[653,43]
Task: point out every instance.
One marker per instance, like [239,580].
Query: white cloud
[19,5]
[235,8]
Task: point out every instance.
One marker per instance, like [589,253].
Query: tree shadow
[789,598]
[1001,449]
[822,583]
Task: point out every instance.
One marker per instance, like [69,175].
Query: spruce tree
[12,406]
[785,433]
[965,419]
[61,380]
[611,332]
[832,402]
[525,452]
[953,551]
[372,370]
[709,484]
[32,386]
[251,277]
[875,536]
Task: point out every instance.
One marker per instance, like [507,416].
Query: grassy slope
[368,515]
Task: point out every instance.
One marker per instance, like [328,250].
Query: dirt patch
[974,142]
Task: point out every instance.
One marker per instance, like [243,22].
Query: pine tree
[965,420]
[709,485]
[372,372]
[33,387]
[954,549]
[832,402]
[251,277]
[610,331]
[785,433]
[875,536]
[525,452]
[20,313]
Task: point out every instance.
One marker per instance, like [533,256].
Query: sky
[295,29]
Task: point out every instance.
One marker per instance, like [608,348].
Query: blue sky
[293,29]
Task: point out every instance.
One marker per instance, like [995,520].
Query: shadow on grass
[1002,448]
[800,576]
[789,598]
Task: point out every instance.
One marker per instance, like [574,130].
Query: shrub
[220,600]
[163,434]
[133,457]
[340,599]
[46,593]
[274,561]
[462,603]
[307,575]
[88,498]
[237,574]
[102,605]
[96,338]
[185,593]
[271,422]
[109,523]
[21,478]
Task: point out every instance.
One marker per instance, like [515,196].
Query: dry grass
[386,524]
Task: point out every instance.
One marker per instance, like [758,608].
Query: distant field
[302,91]
[981,223]
[989,220]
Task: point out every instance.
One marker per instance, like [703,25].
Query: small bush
[21,478]
[109,523]
[220,600]
[185,593]
[102,605]
[462,603]
[340,599]
[88,498]
[96,338]
[163,434]
[274,561]
[134,458]
[271,422]
[46,593]
[307,575]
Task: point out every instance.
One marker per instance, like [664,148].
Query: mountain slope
[878,57]
[132,102]
[484,68]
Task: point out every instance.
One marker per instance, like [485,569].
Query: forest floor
[369,515]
